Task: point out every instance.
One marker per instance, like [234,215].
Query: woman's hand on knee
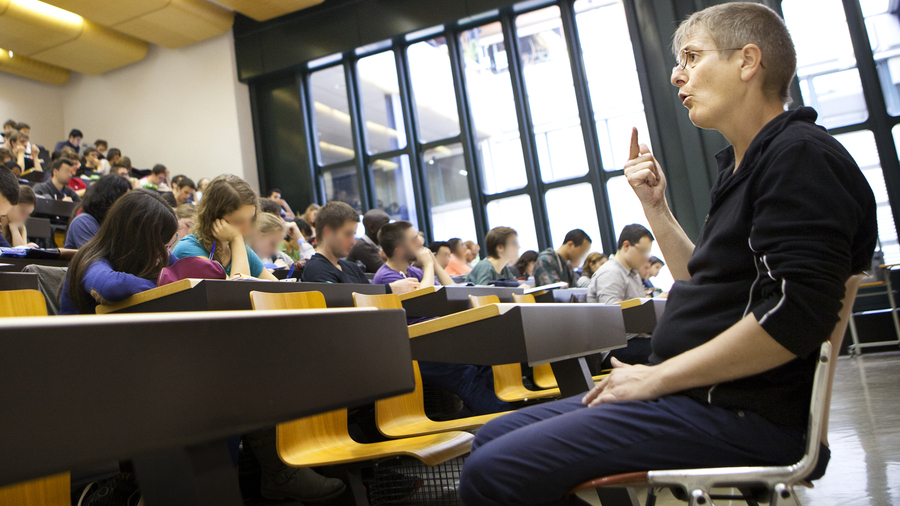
[625,383]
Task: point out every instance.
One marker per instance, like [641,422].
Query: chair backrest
[22,303]
[483,300]
[525,298]
[836,339]
[384,301]
[289,300]
[50,282]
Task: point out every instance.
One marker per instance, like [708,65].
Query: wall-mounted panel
[262,10]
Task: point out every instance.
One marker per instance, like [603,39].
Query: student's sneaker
[120,490]
[301,484]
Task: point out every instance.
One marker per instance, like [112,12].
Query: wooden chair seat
[324,440]
[508,383]
[404,415]
[51,490]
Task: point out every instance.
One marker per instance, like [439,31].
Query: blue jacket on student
[112,285]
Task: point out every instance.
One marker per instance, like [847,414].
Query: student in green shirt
[502,244]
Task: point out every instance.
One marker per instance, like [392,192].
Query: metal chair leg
[853,348]
[651,497]
[784,495]
[699,497]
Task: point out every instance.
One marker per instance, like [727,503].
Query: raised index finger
[635,148]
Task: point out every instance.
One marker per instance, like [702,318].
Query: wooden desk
[446,300]
[559,334]
[222,295]
[641,315]
[165,390]
[18,281]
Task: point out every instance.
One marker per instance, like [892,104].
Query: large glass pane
[861,146]
[448,187]
[341,184]
[393,188]
[572,207]
[515,212]
[627,209]
[432,86]
[618,104]
[334,142]
[883,26]
[493,108]
[380,97]
[826,65]
[551,94]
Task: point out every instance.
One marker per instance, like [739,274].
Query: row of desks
[166,389]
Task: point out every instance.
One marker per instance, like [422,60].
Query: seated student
[271,207]
[472,250]
[201,187]
[735,350]
[183,190]
[367,250]
[91,163]
[336,230]
[156,180]
[400,243]
[524,266]
[17,142]
[168,198]
[122,167]
[502,245]
[458,263]
[654,265]
[9,197]
[619,278]
[124,258]
[57,188]
[224,217]
[296,244]
[441,252]
[98,199]
[73,142]
[275,194]
[267,234]
[591,264]
[185,214]
[13,224]
[555,266]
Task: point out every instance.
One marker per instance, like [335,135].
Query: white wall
[38,104]
[183,108]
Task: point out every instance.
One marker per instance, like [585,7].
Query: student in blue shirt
[97,201]
[124,258]
[400,244]
[224,217]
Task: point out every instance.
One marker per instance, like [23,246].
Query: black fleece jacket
[783,234]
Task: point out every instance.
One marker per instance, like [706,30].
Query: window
[551,94]
[448,188]
[393,188]
[883,26]
[380,99]
[334,142]
[618,103]
[826,65]
[432,86]
[493,109]
[342,184]
[627,209]
[572,207]
[515,212]
[861,145]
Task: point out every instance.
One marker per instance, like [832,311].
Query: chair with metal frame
[774,484]
[876,288]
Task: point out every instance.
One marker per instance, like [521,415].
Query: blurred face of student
[340,241]
[92,159]
[420,240]
[182,194]
[644,271]
[185,225]
[20,212]
[265,245]
[64,174]
[275,196]
[407,251]
[122,171]
[22,141]
[509,252]
[578,252]
[101,149]
[529,270]
[461,251]
[443,257]
[638,254]
[597,263]
[75,141]
[242,219]
[654,270]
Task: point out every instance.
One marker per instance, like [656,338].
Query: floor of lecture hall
[864,433]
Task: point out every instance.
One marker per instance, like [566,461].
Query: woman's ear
[751,61]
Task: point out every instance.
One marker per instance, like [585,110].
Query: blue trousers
[537,454]
[473,384]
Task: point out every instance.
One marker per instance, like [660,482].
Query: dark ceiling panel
[384,19]
[293,43]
